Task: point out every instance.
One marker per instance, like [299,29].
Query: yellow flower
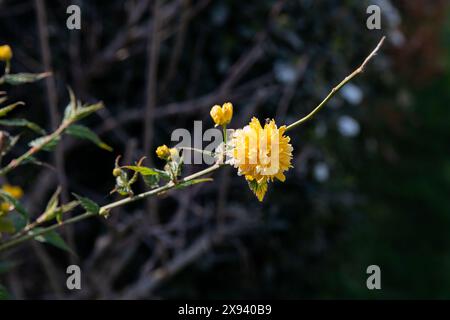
[222,115]
[5,53]
[15,192]
[163,152]
[260,154]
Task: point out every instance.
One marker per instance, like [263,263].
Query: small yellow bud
[4,207]
[14,191]
[5,53]
[163,152]
[222,115]
[217,115]
[227,112]
[116,172]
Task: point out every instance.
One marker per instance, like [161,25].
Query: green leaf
[145,171]
[5,110]
[6,225]
[52,205]
[84,132]
[4,294]
[48,146]
[52,238]
[18,220]
[23,123]
[13,201]
[259,189]
[88,204]
[85,111]
[192,182]
[20,78]
[69,112]
[151,180]
[7,142]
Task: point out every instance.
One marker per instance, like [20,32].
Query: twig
[359,70]
[108,207]
[16,162]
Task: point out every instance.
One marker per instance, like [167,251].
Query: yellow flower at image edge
[222,115]
[260,154]
[5,53]
[15,192]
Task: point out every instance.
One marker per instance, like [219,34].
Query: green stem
[16,162]
[224,129]
[359,70]
[14,242]
[8,67]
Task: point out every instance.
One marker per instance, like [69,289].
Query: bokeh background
[371,177]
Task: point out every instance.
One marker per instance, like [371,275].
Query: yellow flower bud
[227,112]
[4,207]
[15,192]
[5,53]
[222,115]
[217,115]
[116,172]
[163,152]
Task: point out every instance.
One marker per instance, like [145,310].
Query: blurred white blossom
[348,126]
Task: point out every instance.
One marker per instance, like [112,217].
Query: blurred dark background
[371,177]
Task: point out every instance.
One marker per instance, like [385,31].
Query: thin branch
[14,242]
[17,161]
[359,70]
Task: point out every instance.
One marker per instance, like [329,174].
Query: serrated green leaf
[23,123]
[192,182]
[13,201]
[5,110]
[6,225]
[48,146]
[20,78]
[88,204]
[52,238]
[84,132]
[4,294]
